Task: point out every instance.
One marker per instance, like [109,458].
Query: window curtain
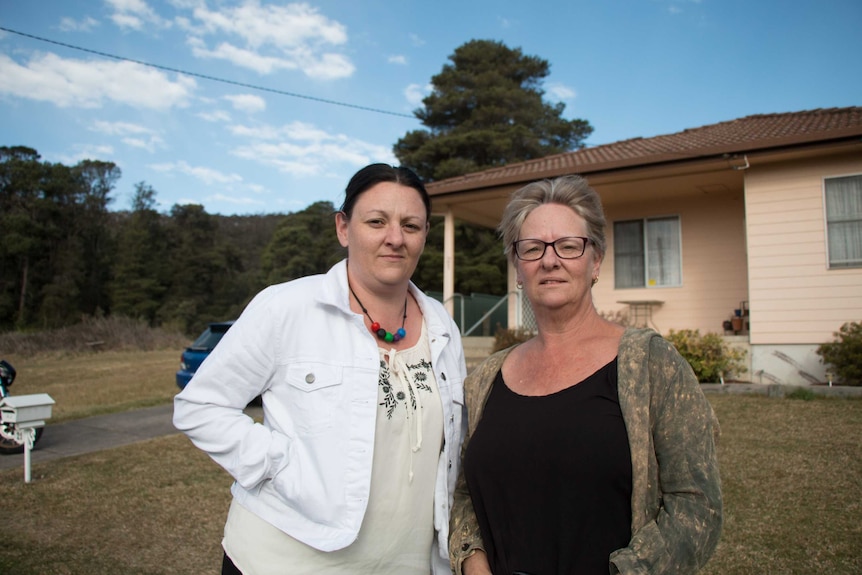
[628,254]
[663,252]
[844,221]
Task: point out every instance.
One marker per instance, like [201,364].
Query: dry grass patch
[89,384]
[156,507]
[791,479]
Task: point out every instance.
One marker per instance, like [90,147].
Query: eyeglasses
[566,248]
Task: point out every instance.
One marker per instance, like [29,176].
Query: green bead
[389,337]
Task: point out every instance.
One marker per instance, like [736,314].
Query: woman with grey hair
[590,448]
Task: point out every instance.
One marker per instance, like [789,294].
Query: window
[647,253]
[844,221]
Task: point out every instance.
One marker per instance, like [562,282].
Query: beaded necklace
[381,333]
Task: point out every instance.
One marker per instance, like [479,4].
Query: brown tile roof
[744,135]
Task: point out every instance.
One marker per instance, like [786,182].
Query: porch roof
[762,132]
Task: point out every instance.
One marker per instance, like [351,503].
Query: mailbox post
[22,414]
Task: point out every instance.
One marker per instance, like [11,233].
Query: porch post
[449,261]
[514,303]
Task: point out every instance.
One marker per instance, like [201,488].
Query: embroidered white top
[398,528]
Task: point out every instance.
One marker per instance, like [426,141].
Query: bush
[801,393]
[710,356]
[844,355]
[504,338]
[92,334]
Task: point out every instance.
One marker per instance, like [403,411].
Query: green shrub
[710,356]
[504,338]
[801,393]
[844,355]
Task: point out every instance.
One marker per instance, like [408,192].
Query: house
[751,228]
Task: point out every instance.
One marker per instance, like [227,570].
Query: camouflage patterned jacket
[676,508]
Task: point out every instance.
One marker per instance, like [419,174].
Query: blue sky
[632,68]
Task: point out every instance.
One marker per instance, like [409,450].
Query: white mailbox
[26,410]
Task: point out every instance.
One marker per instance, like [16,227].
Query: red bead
[375,327]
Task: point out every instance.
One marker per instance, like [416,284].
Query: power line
[211,78]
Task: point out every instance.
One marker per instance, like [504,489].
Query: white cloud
[246,201]
[134,14]
[256,188]
[272,37]
[86,153]
[328,67]
[677,6]
[128,21]
[415,93]
[119,128]
[187,4]
[208,176]
[416,40]
[240,57]
[288,26]
[215,116]
[247,102]
[90,84]
[301,149]
[397,59]
[83,25]
[256,132]
[559,91]
[150,144]
[132,135]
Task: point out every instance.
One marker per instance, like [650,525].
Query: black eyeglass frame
[553,244]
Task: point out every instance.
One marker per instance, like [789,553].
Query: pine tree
[486,110]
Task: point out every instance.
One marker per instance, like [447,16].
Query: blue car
[194,355]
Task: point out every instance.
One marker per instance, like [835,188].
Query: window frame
[644,223]
[826,224]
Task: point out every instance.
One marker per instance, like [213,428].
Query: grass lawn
[791,475]
[83,385]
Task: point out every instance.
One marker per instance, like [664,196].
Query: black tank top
[550,478]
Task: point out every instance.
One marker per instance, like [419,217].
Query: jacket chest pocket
[314,395]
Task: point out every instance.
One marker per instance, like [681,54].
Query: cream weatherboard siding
[796,301]
[714,271]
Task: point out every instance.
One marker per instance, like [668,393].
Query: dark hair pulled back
[374,174]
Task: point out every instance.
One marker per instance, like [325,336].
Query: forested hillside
[66,255]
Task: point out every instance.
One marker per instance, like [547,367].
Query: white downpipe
[449,261]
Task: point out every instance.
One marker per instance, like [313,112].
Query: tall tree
[140,269]
[304,243]
[23,243]
[486,110]
[203,273]
[249,235]
[80,249]
[96,180]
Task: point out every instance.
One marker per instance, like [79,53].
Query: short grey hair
[569,191]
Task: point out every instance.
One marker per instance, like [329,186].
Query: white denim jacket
[307,468]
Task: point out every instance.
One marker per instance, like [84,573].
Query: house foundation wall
[787,364]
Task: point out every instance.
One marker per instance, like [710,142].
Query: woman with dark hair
[590,447]
[353,468]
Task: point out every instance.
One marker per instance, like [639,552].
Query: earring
[519,285]
[595,280]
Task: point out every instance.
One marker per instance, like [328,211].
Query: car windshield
[210,337]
